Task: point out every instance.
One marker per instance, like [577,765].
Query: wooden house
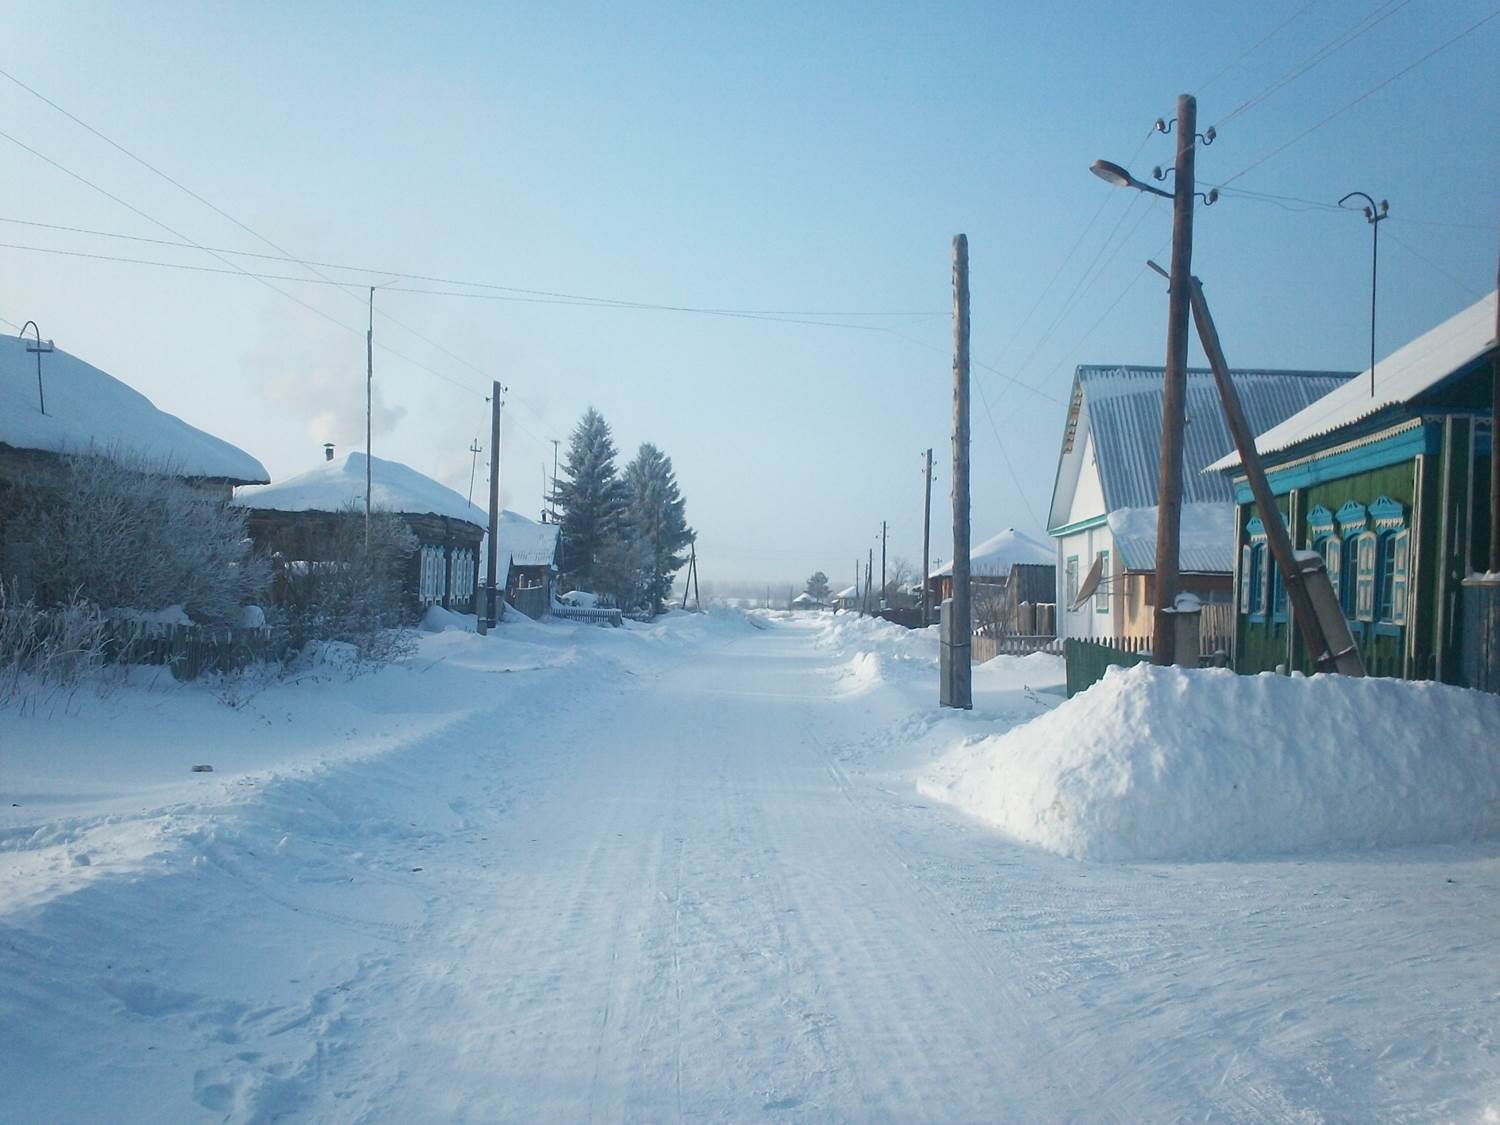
[990,566]
[528,562]
[89,412]
[1392,489]
[1104,498]
[295,521]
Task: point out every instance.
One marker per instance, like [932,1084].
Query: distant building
[1392,489]
[847,598]
[295,521]
[806,601]
[528,562]
[990,565]
[1104,499]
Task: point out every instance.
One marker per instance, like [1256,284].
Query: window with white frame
[1101,591]
[1071,572]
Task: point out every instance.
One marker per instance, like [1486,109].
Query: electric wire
[1356,101]
[1414,252]
[1259,43]
[1378,15]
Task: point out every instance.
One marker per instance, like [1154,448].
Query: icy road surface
[678,874]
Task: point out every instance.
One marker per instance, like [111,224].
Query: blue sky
[815,160]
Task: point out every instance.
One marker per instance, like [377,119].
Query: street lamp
[1174,389]
[1373,215]
[39,347]
[1112,173]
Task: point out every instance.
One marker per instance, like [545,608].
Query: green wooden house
[1392,489]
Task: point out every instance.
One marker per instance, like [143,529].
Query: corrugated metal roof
[1404,375]
[1124,411]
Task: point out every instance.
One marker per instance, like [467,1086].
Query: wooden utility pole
[369,385]
[496,390]
[869,567]
[882,564]
[1329,653]
[1495,443]
[956,688]
[1169,493]
[926,536]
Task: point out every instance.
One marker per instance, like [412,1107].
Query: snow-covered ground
[678,871]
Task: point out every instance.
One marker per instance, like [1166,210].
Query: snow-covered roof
[996,555]
[1206,531]
[847,593]
[804,599]
[1124,407]
[336,485]
[1402,376]
[88,410]
[527,542]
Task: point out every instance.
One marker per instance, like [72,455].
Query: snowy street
[682,873]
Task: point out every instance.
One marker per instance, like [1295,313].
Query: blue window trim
[1101,591]
[1070,581]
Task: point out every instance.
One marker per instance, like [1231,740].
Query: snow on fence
[188,651]
[1087,660]
[581,613]
[986,646]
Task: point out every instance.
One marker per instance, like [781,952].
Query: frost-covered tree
[656,517]
[125,533]
[817,586]
[592,499]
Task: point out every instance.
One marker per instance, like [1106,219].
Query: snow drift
[1168,764]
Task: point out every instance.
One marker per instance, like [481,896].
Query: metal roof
[1413,369]
[1124,418]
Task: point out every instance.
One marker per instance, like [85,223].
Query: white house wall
[1088,492]
[1087,621]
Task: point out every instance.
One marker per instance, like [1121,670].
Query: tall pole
[926,536]
[552,502]
[369,384]
[1495,444]
[1169,511]
[496,390]
[882,564]
[957,686]
[474,448]
[1374,274]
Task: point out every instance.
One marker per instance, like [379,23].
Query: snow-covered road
[684,874]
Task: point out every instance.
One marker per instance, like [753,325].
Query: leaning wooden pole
[957,682]
[1278,538]
[1174,398]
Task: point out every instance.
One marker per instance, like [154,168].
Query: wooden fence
[188,651]
[531,600]
[596,616]
[986,646]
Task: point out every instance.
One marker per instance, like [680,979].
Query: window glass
[1101,591]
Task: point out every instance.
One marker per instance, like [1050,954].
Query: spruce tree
[592,499]
[656,519]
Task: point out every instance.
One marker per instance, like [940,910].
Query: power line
[1381,12]
[1259,43]
[1285,201]
[1005,456]
[1414,252]
[552,295]
[1362,97]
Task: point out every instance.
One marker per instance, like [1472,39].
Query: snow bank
[1159,764]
